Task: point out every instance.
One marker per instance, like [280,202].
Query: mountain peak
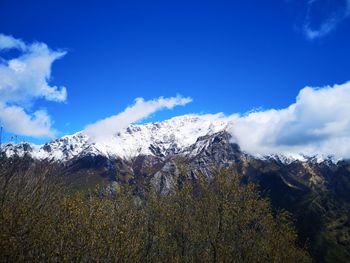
[156,138]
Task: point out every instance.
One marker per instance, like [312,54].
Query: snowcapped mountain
[154,154]
[179,135]
[159,139]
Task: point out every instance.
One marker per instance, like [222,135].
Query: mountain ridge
[315,191]
[169,137]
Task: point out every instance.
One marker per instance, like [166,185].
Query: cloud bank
[141,109]
[323,16]
[23,79]
[318,123]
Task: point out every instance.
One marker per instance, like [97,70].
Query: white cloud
[336,13]
[140,110]
[24,79]
[317,123]
[9,42]
[14,118]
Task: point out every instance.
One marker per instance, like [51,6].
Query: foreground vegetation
[43,220]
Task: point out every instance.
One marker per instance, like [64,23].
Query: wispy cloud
[333,13]
[9,42]
[23,79]
[141,109]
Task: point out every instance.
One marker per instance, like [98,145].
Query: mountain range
[314,189]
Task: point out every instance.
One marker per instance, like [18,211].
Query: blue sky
[228,56]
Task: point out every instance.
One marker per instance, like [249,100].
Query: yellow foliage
[217,221]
